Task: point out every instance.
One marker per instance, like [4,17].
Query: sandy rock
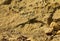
[29,20]
[56,38]
[56,15]
[58,32]
[46,29]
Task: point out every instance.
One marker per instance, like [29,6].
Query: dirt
[29,20]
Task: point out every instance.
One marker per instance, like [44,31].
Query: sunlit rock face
[29,20]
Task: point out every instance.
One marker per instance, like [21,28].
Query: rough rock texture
[29,20]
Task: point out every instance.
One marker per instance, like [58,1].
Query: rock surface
[29,20]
